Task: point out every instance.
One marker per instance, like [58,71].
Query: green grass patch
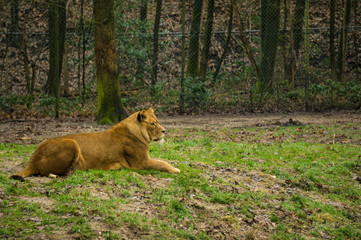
[286,182]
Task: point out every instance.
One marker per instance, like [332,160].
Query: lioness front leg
[160,165]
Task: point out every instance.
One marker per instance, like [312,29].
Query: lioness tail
[17,177]
[22,174]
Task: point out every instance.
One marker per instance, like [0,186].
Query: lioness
[125,145]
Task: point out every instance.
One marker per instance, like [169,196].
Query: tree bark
[332,40]
[290,55]
[110,109]
[343,40]
[33,77]
[57,26]
[297,24]
[181,97]
[307,54]
[226,44]
[141,60]
[270,19]
[243,37]
[207,41]
[26,63]
[14,37]
[192,64]
[66,70]
[156,46]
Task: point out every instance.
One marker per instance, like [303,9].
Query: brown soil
[218,224]
[36,130]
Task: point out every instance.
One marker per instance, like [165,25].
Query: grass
[277,182]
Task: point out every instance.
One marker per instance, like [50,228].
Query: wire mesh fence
[276,41]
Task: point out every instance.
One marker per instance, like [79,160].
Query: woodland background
[283,175]
[319,76]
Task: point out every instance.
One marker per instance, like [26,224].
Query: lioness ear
[151,110]
[141,116]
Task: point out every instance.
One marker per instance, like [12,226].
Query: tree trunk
[192,64]
[270,19]
[141,60]
[156,46]
[26,63]
[33,77]
[66,70]
[226,44]
[243,37]
[343,40]
[332,40]
[356,19]
[110,109]
[80,31]
[6,80]
[57,26]
[297,24]
[290,55]
[181,97]
[307,53]
[14,37]
[284,39]
[207,41]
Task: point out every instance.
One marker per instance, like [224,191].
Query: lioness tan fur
[125,145]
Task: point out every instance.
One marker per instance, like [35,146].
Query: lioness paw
[52,176]
[176,170]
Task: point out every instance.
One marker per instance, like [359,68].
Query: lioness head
[150,122]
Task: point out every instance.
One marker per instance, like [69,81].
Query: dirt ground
[33,131]
[36,130]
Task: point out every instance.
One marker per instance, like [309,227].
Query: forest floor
[201,213]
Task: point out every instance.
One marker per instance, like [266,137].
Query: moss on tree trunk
[110,109]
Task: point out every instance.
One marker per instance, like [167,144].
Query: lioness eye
[153,124]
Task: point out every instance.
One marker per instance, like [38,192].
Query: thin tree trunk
[83,47]
[269,41]
[207,41]
[156,46]
[57,21]
[33,77]
[307,52]
[6,66]
[141,60]
[244,38]
[192,64]
[284,41]
[26,63]
[66,70]
[297,25]
[57,26]
[181,97]
[343,40]
[332,40]
[15,36]
[226,44]
[355,34]
[81,32]
[291,54]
